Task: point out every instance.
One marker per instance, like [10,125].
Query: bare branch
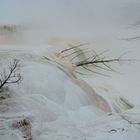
[132,38]
[73,53]
[94,71]
[96,61]
[89,60]
[12,75]
[72,47]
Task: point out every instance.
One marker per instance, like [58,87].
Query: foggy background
[104,24]
[78,17]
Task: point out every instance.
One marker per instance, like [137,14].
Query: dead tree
[11,74]
[92,62]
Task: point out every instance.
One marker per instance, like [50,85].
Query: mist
[103,24]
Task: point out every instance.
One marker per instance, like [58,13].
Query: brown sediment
[25,127]
[94,99]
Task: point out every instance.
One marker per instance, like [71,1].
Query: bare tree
[10,75]
[89,60]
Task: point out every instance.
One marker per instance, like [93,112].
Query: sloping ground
[48,104]
[105,127]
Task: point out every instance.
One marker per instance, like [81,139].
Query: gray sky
[79,17]
[69,12]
